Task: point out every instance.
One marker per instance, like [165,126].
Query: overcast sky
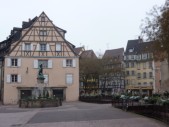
[96,24]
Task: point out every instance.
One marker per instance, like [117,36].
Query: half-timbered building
[114,79]
[39,41]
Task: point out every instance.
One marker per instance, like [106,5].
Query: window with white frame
[144,56]
[69,79]
[150,74]
[138,57]
[127,57]
[138,66]
[127,65]
[14,62]
[151,83]
[138,75]
[132,57]
[133,73]
[127,73]
[27,47]
[127,82]
[145,83]
[43,62]
[69,63]
[43,32]
[139,83]
[144,75]
[132,64]
[150,64]
[43,47]
[144,65]
[58,47]
[14,78]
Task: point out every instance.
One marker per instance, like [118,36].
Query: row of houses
[39,41]
[140,72]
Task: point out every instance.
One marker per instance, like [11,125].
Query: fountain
[40,95]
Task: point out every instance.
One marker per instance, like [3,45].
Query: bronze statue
[40,72]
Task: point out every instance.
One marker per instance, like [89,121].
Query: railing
[160,112]
[96,99]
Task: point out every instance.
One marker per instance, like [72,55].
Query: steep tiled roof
[28,24]
[131,45]
[60,29]
[138,46]
[88,54]
[114,53]
[144,47]
[15,35]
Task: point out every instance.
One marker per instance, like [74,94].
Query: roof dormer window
[131,50]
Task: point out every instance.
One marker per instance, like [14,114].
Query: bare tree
[156,29]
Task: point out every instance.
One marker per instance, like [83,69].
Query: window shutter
[49,63]
[64,63]
[31,47]
[8,78]
[74,63]
[47,47]
[46,78]
[37,47]
[23,46]
[8,62]
[19,62]
[19,78]
[35,64]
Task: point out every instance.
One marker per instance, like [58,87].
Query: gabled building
[139,67]
[114,82]
[39,41]
[88,54]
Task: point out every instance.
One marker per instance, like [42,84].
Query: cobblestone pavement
[73,114]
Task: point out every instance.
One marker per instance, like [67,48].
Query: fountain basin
[39,103]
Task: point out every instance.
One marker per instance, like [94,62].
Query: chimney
[29,19]
[140,40]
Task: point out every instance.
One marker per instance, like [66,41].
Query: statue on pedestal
[40,73]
